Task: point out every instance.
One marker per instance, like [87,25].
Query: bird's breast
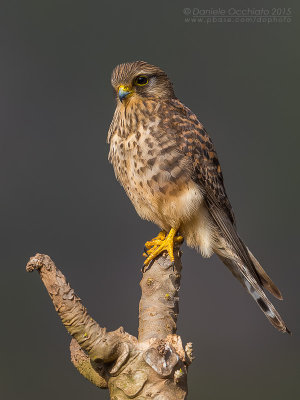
[154,173]
[148,161]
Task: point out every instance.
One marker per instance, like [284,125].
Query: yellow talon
[161,236]
[151,245]
[161,243]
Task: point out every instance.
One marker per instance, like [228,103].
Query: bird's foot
[151,245]
[161,243]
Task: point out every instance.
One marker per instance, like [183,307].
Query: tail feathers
[253,288]
[267,307]
[265,279]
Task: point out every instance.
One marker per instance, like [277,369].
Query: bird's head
[140,79]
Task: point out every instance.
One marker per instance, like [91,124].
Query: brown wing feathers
[241,262]
[181,152]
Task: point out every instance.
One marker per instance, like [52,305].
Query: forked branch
[152,366]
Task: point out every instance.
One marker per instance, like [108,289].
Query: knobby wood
[152,366]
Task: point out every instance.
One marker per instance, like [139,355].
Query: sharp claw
[160,244]
[145,267]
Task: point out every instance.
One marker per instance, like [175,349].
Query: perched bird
[167,164]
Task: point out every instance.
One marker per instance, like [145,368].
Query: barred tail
[255,290]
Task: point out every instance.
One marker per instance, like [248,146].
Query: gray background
[59,195]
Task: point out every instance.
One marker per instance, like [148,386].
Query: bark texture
[152,366]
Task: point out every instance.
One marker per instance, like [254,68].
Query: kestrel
[167,164]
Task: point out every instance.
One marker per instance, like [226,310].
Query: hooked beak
[124,91]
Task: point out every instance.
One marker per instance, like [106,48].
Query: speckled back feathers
[166,162]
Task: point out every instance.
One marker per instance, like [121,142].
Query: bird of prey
[168,166]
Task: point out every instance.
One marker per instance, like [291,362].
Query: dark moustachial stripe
[160,152]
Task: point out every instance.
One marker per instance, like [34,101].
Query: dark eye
[141,80]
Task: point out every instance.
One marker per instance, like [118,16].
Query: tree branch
[159,308]
[95,373]
[152,366]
